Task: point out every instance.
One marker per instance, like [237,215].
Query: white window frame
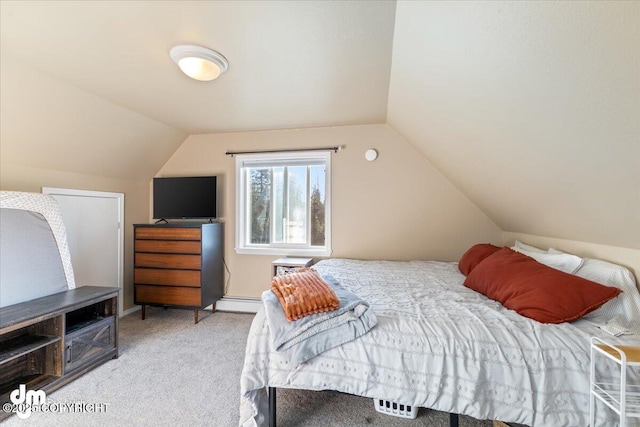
[242,246]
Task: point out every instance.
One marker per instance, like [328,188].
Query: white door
[94,223]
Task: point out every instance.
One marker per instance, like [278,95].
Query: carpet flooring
[174,373]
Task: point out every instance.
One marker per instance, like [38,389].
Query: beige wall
[398,207]
[22,178]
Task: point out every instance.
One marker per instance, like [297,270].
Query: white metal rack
[622,397]
[396,409]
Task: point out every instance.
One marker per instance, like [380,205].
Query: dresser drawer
[152,276]
[169,233]
[168,246]
[168,295]
[192,262]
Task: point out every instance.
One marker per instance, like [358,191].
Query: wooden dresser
[178,265]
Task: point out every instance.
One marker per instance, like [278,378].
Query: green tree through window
[317,217]
[260,205]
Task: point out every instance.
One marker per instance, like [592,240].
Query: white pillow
[525,249]
[623,310]
[563,262]
[558,260]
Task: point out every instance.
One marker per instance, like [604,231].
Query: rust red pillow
[534,290]
[475,255]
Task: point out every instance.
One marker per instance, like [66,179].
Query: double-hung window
[283,203]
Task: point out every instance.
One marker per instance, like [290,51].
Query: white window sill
[283,251]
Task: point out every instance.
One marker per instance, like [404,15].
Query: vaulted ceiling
[292,64]
[530,108]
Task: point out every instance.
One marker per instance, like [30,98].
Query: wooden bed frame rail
[453,418]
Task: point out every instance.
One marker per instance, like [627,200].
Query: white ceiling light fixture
[198,62]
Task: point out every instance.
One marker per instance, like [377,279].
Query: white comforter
[437,345]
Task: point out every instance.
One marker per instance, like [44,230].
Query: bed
[439,345]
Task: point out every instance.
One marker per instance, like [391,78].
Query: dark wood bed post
[453,418]
[272,407]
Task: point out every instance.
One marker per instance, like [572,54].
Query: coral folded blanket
[303,292]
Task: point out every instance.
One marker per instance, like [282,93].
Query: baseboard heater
[453,418]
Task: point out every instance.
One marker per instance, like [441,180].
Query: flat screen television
[189,197]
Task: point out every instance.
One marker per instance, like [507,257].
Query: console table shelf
[23,344]
[32,382]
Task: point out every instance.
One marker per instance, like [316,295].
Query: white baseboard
[130,310]
[239,305]
[232,304]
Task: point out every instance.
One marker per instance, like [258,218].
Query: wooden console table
[49,341]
